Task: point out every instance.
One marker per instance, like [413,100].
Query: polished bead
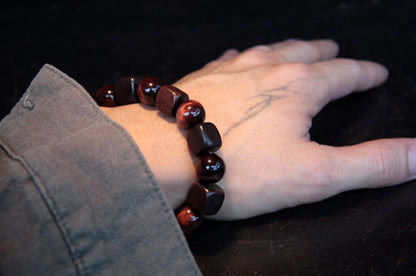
[189,114]
[187,219]
[125,90]
[148,89]
[169,98]
[205,199]
[210,168]
[203,138]
[105,96]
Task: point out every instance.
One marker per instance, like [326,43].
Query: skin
[262,101]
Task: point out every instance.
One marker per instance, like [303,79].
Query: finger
[373,164]
[275,45]
[336,78]
[284,42]
[283,52]
[306,51]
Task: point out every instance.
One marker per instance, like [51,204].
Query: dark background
[365,232]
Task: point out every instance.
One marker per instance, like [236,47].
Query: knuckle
[354,67]
[386,165]
[314,52]
[300,70]
[306,47]
[321,173]
[253,55]
[320,177]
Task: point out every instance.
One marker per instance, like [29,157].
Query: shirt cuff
[94,183]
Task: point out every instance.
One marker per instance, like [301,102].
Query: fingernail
[412,159]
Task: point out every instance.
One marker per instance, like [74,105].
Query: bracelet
[204,196]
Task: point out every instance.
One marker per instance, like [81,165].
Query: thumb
[374,164]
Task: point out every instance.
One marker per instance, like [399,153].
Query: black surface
[360,232]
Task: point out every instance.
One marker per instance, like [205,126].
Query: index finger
[337,78]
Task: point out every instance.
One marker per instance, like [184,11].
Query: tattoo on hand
[266,99]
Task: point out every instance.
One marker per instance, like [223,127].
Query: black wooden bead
[169,98]
[205,199]
[203,138]
[125,90]
[210,168]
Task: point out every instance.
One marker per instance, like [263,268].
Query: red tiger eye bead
[205,199]
[125,90]
[210,168]
[105,96]
[187,219]
[189,114]
[148,89]
[169,98]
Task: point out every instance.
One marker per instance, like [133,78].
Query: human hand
[262,101]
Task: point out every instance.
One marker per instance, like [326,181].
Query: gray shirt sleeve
[76,195]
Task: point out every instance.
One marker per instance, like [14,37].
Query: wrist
[204,197]
[163,146]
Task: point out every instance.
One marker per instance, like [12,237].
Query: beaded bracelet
[204,196]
